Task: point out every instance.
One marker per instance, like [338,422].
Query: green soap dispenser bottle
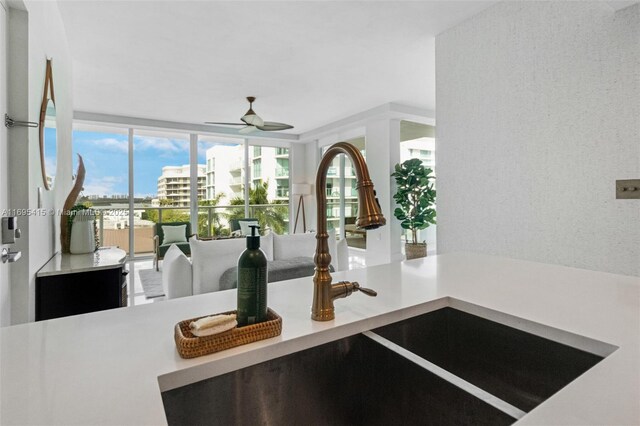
[252,282]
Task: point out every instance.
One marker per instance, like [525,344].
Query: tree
[216,227]
[273,217]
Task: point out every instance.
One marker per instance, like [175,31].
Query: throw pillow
[174,234]
[176,274]
[245,226]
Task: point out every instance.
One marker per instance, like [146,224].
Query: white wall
[5,295]
[538,112]
[383,152]
[302,164]
[36,33]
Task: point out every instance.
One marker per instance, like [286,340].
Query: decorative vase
[415,251]
[83,237]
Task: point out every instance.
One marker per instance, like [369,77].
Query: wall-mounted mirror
[48,134]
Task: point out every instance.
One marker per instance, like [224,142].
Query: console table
[71,284]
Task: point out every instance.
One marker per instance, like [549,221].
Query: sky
[106,161]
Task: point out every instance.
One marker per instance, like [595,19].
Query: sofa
[288,256]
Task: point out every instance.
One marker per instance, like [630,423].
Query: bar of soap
[215,324]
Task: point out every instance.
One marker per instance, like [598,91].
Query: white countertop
[108,367]
[103,258]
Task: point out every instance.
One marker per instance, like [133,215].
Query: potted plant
[415,197]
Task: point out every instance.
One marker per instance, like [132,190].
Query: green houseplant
[415,197]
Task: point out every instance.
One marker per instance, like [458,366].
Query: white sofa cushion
[343,255]
[176,274]
[296,245]
[266,244]
[211,258]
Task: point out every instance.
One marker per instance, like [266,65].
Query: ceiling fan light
[247,130]
[252,120]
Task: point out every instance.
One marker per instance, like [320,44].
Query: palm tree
[215,227]
[273,217]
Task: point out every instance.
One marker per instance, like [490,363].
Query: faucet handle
[367,291]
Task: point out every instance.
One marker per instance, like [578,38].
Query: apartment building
[175,184]
[225,171]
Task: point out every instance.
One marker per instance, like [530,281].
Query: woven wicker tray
[190,346]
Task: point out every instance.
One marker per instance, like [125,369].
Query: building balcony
[282,193]
[236,165]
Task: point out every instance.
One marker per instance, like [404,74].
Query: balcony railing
[282,172]
[213,221]
[282,192]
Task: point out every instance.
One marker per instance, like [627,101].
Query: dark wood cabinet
[70,286]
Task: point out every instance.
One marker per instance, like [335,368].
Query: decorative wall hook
[10,122]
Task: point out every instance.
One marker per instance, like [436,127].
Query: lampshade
[301,189]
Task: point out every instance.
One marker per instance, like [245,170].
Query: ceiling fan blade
[248,129]
[272,126]
[225,124]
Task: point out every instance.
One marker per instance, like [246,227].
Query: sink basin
[518,367]
[352,381]
[444,367]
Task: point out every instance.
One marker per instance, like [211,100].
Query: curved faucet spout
[369,217]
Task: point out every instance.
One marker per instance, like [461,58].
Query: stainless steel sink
[517,367]
[353,381]
[444,367]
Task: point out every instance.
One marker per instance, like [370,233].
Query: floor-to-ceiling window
[342,197]
[105,153]
[269,187]
[212,185]
[161,182]
[224,179]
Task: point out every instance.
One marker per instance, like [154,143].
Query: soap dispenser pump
[252,282]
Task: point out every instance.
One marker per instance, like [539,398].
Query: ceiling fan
[253,122]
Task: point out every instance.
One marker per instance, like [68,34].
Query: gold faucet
[369,217]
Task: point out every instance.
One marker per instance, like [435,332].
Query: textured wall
[538,113]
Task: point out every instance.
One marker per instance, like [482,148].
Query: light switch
[628,189]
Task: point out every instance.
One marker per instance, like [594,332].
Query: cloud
[113,144]
[202,150]
[106,185]
[50,165]
[164,145]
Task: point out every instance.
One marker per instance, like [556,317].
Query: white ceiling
[308,63]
